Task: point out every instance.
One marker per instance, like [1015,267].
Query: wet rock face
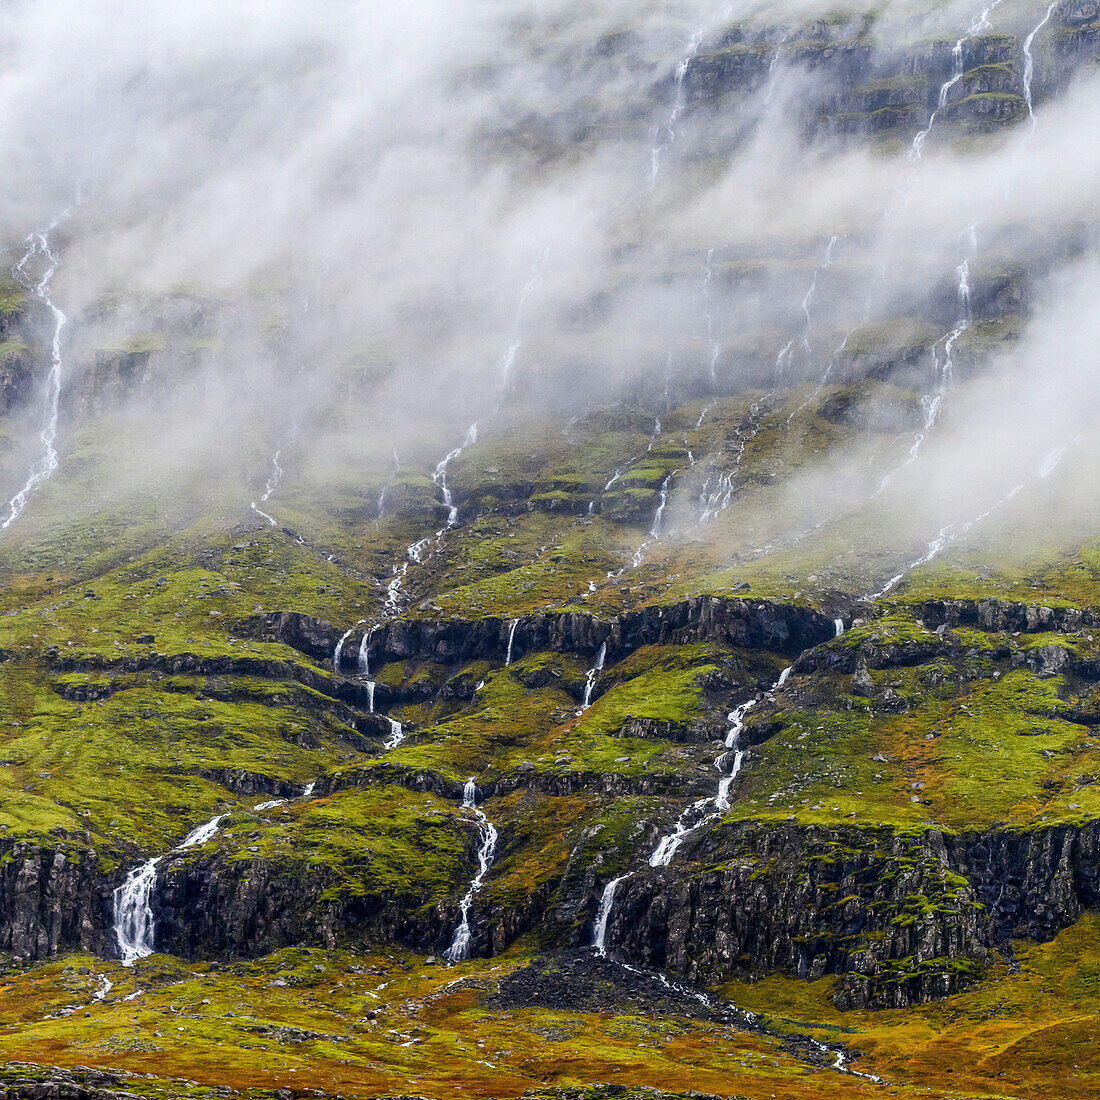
[23,335]
[901,920]
[1004,616]
[780,628]
[50,901]
[864,89]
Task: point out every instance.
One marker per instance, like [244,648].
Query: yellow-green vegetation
[384,844]
[139,697]
[368,1025]
[1024,1031]
[948,732]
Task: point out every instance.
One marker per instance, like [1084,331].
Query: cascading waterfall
[948,534]
[668,844]
[508,360]
[134,926]
[270,487]
[838,625]
[364,665]
[511,638]
[806,322]
[666,135]
[364,652]
[655,530]
[415,553]
[1029,61]
[715,498]
[708,319]
[337,653]
[980,25]
[38,249]
[692,818]
[593,676]
[382,491]
[440,477]
[946,370]
[942,373]
[603,914]
[460,941]
[802,340]
[716,494]
[397,734]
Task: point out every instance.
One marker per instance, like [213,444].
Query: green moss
[384,844]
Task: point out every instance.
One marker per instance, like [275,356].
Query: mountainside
[551,553]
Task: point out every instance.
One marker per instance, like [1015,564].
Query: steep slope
[702,696]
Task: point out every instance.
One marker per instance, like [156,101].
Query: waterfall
[603,914]
[655,530]
[38,248]
[950,533]
[307,790]
[133,912]
[270,487]
[944,372]
[932,402]
[666,135]
[1029,61]
[440,478]
[979,26]
[593,676]
[201,834]
[716,499]
[838,625]
[364,652]
[371,685]
[694,816]
[134,926]
[511,637]
[460,941]
[336,653]
[397,734]
[666,847]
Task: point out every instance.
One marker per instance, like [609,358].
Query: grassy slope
[132,772]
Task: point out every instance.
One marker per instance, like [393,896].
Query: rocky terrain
[713,711]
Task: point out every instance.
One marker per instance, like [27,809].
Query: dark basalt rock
[781,628]
[20,1081]
[902,920]
[1006,616]
[51,900]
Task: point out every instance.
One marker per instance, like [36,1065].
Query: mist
[330,228]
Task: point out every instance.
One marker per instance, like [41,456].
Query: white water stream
[134,926]
[1029,61]
[463,936]
[666,134]
[270,487]
[593,677]
[980,25]
[40,253]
